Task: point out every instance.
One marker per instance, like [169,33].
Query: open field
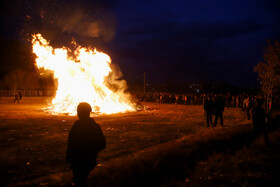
[33,143]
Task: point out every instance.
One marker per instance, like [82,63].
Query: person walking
[16,97]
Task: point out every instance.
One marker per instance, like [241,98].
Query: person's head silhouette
[83,110]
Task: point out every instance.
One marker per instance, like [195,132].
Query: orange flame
[80,82]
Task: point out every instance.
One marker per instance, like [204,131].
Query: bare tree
[269,74]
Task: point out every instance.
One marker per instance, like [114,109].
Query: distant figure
[185,99]
[85,140]
[20,94]
[16,97]
[249,107]
[259,121]
[208,109]
[237,101]
[176,98]
[219,107]
[160,98]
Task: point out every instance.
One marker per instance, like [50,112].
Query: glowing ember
[80,79]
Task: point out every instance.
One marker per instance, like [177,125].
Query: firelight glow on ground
[81,79]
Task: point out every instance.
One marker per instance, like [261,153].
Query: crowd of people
[168,98]
[242,101]
[214,105]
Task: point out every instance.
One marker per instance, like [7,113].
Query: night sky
[178,41]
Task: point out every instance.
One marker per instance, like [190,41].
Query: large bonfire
[82,78]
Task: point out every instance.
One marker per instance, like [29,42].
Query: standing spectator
[208,110]
[185,98]
[160,98]
[170,99]
[195,99]
[176,98]
[84,142]
[246,103]
[232,101]
[219,107]
[259,121]
[228,100]
[249,107]
[192,99]
[241,102]
[237,101]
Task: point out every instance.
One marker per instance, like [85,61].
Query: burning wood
[80,82]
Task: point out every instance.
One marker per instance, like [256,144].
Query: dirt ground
[33,143]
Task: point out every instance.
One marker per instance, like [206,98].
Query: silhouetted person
[85,140]
[249,107]
[259,121]
[208,109]
[16,97]
[20,94]
[219,107]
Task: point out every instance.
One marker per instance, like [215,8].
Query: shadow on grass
[158,165]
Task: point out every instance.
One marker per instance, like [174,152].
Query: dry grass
[143,148]
[256,165]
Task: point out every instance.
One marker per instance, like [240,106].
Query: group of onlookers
[171,98]
[213,106]
[251,104]
[238,101]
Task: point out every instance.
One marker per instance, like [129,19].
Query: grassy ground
[159,146]
[256,165]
